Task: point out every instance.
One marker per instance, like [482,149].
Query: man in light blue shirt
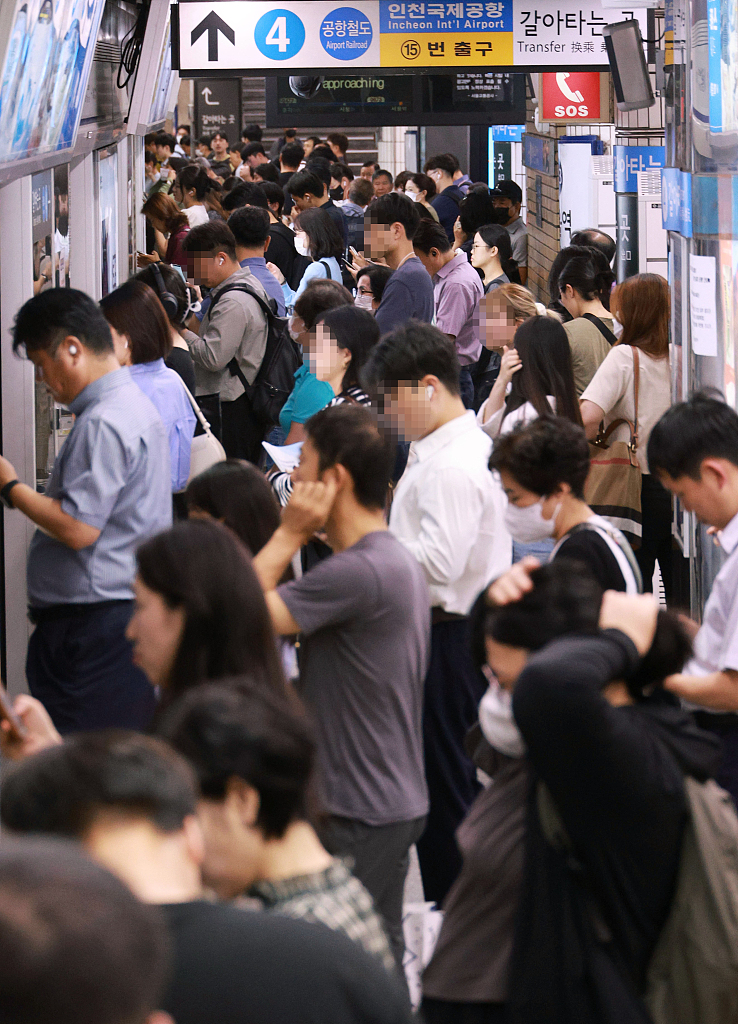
[250,226]
[109,490]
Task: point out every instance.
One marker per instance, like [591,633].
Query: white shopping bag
[421,924]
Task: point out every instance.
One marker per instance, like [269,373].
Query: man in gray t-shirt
[364,617]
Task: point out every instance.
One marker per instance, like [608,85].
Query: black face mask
[336,193]
[500,215]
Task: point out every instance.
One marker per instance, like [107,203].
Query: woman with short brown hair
[641,304]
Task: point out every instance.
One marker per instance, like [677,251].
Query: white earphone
[429,391]
[73,350]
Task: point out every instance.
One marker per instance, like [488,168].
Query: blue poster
[629,160]
[44,75]
[676,201]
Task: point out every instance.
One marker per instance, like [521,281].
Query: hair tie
[540,309]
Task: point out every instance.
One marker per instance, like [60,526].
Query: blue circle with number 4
[279,35]
[346,33]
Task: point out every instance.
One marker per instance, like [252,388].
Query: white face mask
[527,525]
[415,196]
[364,302]
[301,245]
[295,335]
[497,723]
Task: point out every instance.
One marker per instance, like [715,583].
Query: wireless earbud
[73,350]
[429,391]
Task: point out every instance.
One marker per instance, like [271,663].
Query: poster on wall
[44,74]
[702,304]
[108,195]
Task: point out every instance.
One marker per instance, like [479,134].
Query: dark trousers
[380,855]
[453,690]
[725,727]
[656,543]
[79,666]
[242,433]
[467,387]
[438,1011]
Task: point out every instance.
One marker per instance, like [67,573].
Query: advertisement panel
[44,74]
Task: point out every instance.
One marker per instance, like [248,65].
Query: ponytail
[590,275]
[498,237]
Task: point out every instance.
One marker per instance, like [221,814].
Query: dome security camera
[305,86]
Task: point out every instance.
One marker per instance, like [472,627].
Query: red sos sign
[571,96]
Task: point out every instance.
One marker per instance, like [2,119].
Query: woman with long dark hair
[318,237]
[539,371]
[421,189]
[475,209]
[344,337]
[641,304]
[584,290]
[200,613]
[491,253]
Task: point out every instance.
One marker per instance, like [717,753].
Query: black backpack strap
[601,327]
[617,538]
[327,266]
[269,311]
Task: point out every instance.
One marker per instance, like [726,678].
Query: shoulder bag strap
[601,327]
[197,411]
[328,274]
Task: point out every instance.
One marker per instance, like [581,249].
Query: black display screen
[376,99]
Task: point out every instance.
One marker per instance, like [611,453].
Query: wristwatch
[5,494]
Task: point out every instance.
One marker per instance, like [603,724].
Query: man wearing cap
[508,196]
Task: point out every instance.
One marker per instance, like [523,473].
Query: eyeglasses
[480,245]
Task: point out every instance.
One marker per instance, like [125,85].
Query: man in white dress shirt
[693,450]
[448,512]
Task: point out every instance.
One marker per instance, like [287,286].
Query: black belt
[66,611]
[439,614]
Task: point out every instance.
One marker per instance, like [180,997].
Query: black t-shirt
[180,361]
[283,254]
[233,966]
[589,547]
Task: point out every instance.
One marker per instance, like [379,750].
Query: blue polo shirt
[258,267]
[114,474]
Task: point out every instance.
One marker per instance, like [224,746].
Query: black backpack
[276,377]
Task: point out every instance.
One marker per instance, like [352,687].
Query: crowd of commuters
[386,615]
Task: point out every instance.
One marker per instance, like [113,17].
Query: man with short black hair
[77,946]
[390,224]
[232,338]
[204,146]
[449,513]
[252,133]
[220,162]
[254,154]
[245,193]
[507,196]
[290,157]
[254,755]
[693,451]
[250,227]
[457,291]
[309,191]
[165,146]
[282,252]
[382,181]
[363,616]
[368,168]
[110,489]
[132,801]
[339,143]
[441,169]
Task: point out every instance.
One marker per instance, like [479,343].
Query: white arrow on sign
[206,92]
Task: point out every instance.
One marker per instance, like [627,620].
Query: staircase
[362,141]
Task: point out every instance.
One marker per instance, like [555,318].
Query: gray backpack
[693,974]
